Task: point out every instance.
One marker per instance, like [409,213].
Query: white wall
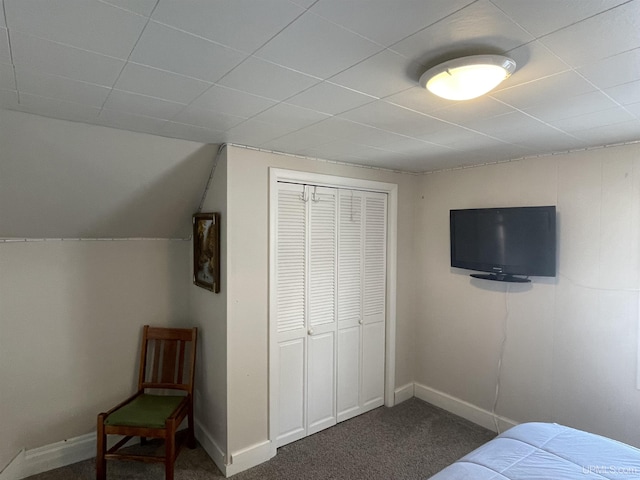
[247,277]
[571,350]
[71,314]
[208,311]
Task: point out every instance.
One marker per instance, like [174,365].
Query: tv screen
[505,241]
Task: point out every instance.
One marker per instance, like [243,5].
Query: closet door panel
[372,366]
[291,398]
[348,372]
[321,382]
[375,259]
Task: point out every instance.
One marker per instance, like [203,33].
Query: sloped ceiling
[60,179]
[333,79]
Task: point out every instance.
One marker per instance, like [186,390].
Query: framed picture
[206,251]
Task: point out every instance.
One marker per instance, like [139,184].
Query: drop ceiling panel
[318,47]
[179,52]
[49,57]
[7,79]
[5,54]
[234,102]
[94,26]
[143,7]
[242,24]
[479,28]
[142,105]
[290,116]
[478,108]
[259,132]
[131,121]
[533,61]
[275,82]
[554,88]
[191,132]
[160,83]
[626,93]
[615,70]
[330,98]
[381,75]
[573,106]
[210,119]
[535,16]
[53,107]
[582,43]
[598,119]
[32,82]
[383,21]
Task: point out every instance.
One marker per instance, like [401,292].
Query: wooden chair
[167,362]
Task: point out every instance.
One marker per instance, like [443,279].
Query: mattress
[546,451]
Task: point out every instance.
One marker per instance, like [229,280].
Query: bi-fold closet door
[330,281]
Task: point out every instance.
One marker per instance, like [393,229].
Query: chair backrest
[168,358]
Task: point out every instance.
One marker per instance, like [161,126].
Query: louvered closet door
[374,295]
[291,298]
[321,378]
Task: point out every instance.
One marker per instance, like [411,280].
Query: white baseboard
[249,457]
[404,393]
[210,446]
[54,455]
[463,409]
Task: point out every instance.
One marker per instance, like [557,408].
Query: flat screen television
[505,241]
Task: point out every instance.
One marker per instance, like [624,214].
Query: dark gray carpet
[412,440]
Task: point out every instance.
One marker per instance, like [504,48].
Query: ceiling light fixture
[467,77]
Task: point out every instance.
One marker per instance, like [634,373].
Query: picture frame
[206,251]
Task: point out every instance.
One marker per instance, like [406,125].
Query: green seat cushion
[149,411]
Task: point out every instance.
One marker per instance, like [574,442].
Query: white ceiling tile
[159,83]
[53,58]
[304,3]
[612,71]
[583,42]
[601,118]
[479,28]
[419,99]
[2,22]
[253,133]
[234,102]
[179,52]
[383,21]
[394,119]
[290,116]
[7,79]
[5,53]
[267,80]
[130,121]
[110,30]
[533,61]
[207,118]
[500,125]
[477,108]
[413,146]
[626,93]
[382,75]
[298,142]
[572,106]
[192,132]
[62,88]
[242,24]
[51,107]
[536,16]
[633,108]
[142,105]
[336,128]
[8,98]
[610,134]
[315,46]
[143,7]
[553,88]
[329,98]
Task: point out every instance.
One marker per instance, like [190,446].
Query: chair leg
[101,463]
[170,450]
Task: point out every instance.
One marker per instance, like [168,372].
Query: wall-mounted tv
[505,241]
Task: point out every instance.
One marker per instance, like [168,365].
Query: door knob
[310,331]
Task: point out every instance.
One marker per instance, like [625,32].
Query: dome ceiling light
[467,77]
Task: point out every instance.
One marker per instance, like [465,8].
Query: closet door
[350,257]
[374,295]
[291,323]
[321,378]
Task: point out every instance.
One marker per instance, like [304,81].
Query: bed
[546,451]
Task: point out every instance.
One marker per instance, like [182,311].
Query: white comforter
[546,451]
